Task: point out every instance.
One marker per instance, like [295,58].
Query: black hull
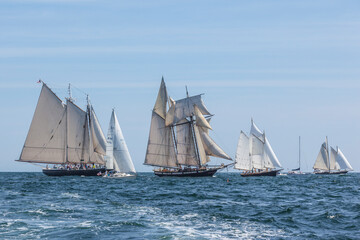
[180,173]
[261,174]
[73,172]
[327,173]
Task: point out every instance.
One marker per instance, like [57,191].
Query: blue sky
[293,66]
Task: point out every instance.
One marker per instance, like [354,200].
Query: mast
[193,132]
[299,153]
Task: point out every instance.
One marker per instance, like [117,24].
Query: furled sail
[77,146]
[322,160]
[184,108]
[242,156]
[97,136]
[185,144]
[160,150]
[45,142]
[120,153]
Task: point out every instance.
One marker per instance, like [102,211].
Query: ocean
[227,206]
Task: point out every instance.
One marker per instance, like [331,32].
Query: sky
[292,66]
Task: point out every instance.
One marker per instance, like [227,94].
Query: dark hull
[73,172]
[180,173]
[326,173]
[260,174]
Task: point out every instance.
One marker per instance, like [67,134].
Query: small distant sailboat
[119,163]
[335,164]
[296,171]
[63,134]
[179,141]
[255,156]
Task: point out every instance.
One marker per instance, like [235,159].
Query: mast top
[187,93]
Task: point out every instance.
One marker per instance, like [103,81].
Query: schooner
[118,159]
[64,135]
[335,164]
[254,154]
[179,142]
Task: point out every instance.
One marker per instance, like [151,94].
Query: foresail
[210,147]
[242,157]
[201,150]
[120,149]
[185,108]
[76,134]
[343,162]
[256,152]
[270,159]
[160,149]
[322,160]
[186,154]
[45,142]
[97,136]
[333,163]
[200,120]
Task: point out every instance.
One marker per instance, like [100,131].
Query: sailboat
[119,163]
[64,135]
[179,142]
[296,171]
[335,164]
[254,154]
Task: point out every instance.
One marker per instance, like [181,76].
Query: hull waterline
[327,173]
[197,173]
[73,172]
[261,174]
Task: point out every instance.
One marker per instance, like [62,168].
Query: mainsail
[117,152]
[59,133]
[180,137]
[322,160]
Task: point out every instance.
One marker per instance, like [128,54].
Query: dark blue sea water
[34,206]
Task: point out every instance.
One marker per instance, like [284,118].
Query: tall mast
[299,153]
[193,132]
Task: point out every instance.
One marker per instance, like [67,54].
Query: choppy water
[33,205]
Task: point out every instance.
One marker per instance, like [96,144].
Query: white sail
[160,149]
[342,161]
[76,134]
[270,159]
[200,147]
[200,120]
[186,154]
[120,151]
[97,136]
[210,147]
[333,163]
[256,131]
[322,160]
[185,108]
[256,152]
[45,142]
[242,156]
[160,104]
